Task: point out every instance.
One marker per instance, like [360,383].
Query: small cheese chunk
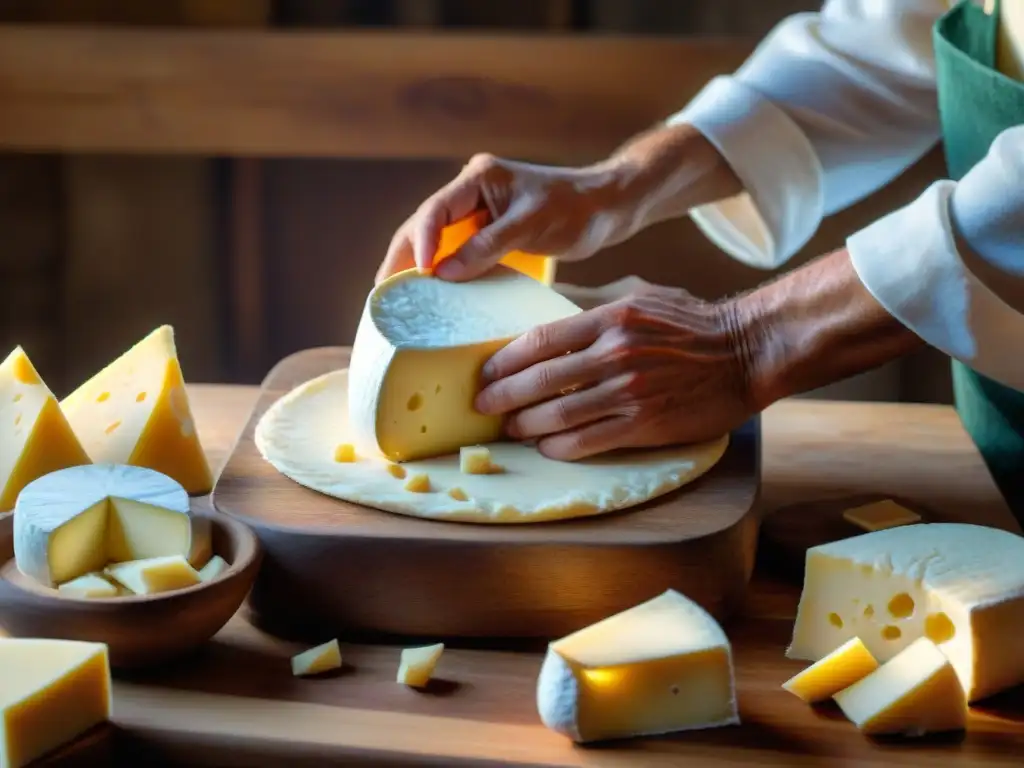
[397,471]
[662,666]
[418,353]
[914,693]
[961,586]
[35,437]
[345,453]
[840,669]
[458,494]
[475,460]
[202,541]
[214,568]
[89,585]
[51,692]
[880,515]
[316,660]
[136,411]
[418,483]
[77,520]
[417,665]
[154,575]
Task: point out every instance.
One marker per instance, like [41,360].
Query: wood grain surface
[236,703]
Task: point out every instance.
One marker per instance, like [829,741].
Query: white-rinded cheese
[77,520]
[880,515]
[417,665]
[662,666]
[136,411]
[961,586]
[89,585]
[840,669]
[51,691]
[914,693]
[154,574]
[214,568]
[35,437]
[316,660]
[418,352]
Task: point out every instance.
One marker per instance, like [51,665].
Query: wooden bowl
[139,630]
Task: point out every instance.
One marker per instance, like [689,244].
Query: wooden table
[238,704]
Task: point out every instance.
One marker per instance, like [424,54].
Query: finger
[545,342]
[398,258]
[538,383]
[484,249]
[594,438]
[457,199]
[570,411]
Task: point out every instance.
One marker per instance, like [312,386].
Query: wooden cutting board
[331,566]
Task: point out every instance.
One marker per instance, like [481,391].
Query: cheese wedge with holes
[35,436]
[662,666]
[914,693]
[847,664]
[316,660]
[76,521]
[419,349]
[90,585]
[51,692]
[154,575]
[136,411]
[417,665]
[961,586]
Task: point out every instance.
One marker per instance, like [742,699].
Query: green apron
[976,104]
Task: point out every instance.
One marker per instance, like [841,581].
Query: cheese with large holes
[35,437]
[417,665]
[914,693]
[51,692]
[418,353]
[960,585]
[322,658]
[136,411]
[78,520]
[840,669]
[662,666]
[154,574]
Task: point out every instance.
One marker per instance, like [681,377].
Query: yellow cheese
[454,235]
[475,459]
[214,568]
[417,664]
[345,452]
[662,666]
[89,585]
[154,575]
[51,691]
[458,494]
[202,542]
[880,515]
[840,669]
[35,437]
[136,411]
[418,483]
[397,471]
[914,693]
[316,660]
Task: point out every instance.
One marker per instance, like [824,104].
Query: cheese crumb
[396,470]
[417,665]
[458,494]
[345,453]
[474,460]
[419,483]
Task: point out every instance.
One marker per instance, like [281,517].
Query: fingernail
[482,402]
[488,372]
[449,269]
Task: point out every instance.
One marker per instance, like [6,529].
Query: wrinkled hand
[656,368]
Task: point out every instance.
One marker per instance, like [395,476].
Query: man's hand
[655,368]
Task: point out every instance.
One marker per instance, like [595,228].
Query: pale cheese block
[847,664]
[660,667]
[51,692]
[298,434]
[914,693]
[961,586]
[418,352]
[136,411]
[214,568]
[77,520]
[880,515]
[417,665]
[475,460]
[91,585]
[35,436]
[202,541]
[315,661]
[154,574]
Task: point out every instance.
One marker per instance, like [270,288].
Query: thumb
[485,248]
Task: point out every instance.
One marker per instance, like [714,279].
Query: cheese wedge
[90,585]
[316,660]
[880,515]
[961,586]
[214,568]
[914,693]
[840,669]
[75,521]
[418,353]
[154,575]
[35,437]
[136,411]
[202,541]
[417,665]
[454,235]
[51,692]
[662,666]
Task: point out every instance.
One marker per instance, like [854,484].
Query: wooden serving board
[331,566]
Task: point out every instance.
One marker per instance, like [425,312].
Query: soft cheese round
[298,435]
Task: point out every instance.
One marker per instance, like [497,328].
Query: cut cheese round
[299,433]
[76,521]
[418,352]
[961,586]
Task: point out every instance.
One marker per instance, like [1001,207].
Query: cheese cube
[458,494]
[77,520]
[316,660]
[662,666]
[154,575]
[961,586]
[417,664]
[89,585]
[419,349]
[51,692]
[418,483]
[840,669]
[345,453]
[914,693]
[136,411]
[475,460]
[213,569]
[35,437]
[880,515]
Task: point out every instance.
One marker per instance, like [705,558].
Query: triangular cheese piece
[136,411]
[316,660]
[35,437]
